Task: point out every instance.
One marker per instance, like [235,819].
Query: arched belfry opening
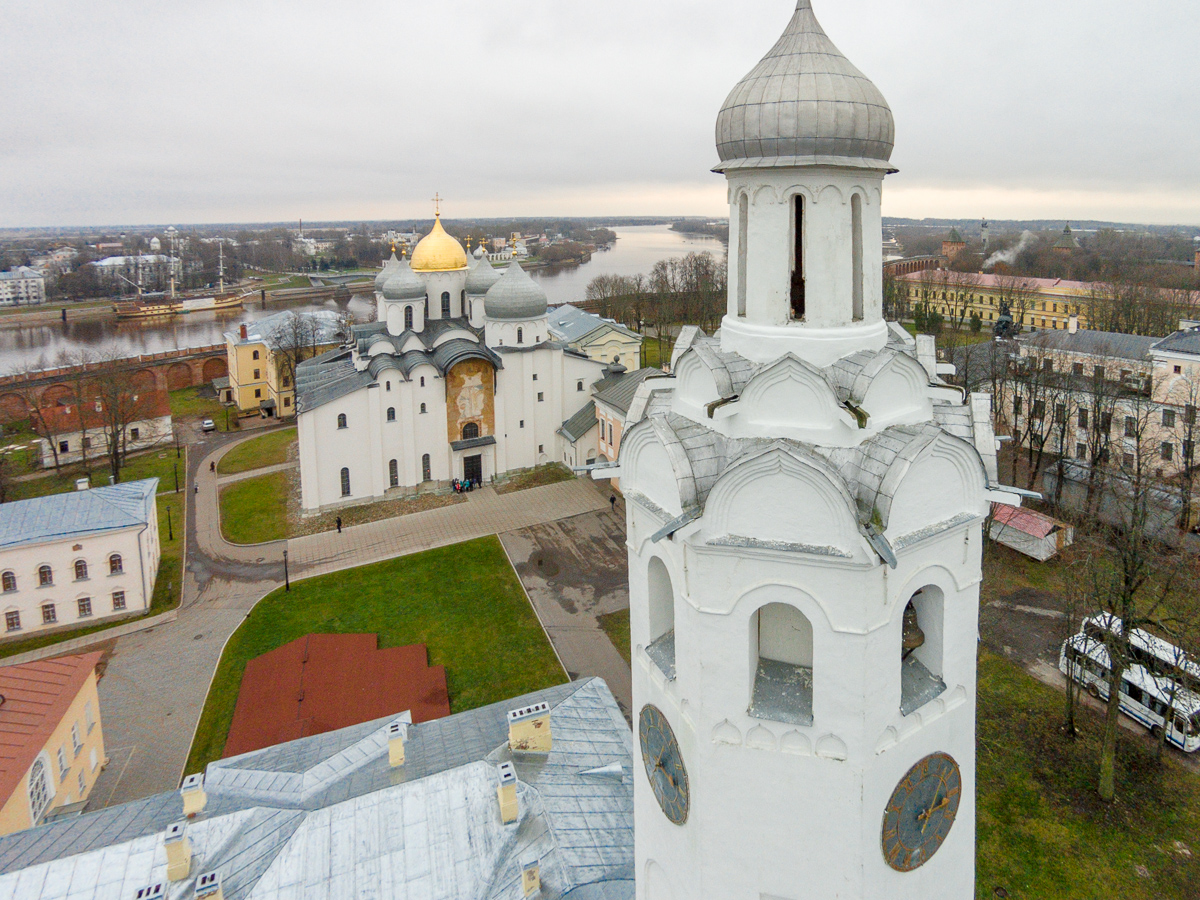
[661,648]
[797,292]
[856,251]
[921,649]
[743,234]
[781,652]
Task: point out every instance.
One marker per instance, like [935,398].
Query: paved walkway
[223,480]
[575,570]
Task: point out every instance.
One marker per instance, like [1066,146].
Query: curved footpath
[156,681]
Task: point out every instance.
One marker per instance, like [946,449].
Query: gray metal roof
[386,272]
[568,323]
[74,513]
[275,330]
[1185,341]
[515,296]
[328,814]
[580,423]
[482,277]
[617,391]
[403,284]
[805,103]
[1093,343]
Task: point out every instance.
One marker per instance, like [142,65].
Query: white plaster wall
[437,282]
[503,332]
[139,549]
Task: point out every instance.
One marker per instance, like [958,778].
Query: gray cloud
[220,111]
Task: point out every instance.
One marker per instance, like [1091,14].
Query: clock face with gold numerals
[664,764]
[921,811]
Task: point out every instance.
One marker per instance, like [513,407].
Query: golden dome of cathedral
[438,252]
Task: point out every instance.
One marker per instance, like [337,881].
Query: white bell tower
[805,499]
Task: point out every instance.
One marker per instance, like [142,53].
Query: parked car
[208,425]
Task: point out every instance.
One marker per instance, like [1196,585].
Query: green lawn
[254,511]
[160,464]
[1042,831]
[167,586]
[267,450]
[199,403]
[463,602]
[650,353]
[616,626]
[19,445]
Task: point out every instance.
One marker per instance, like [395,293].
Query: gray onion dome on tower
[481,278]
[404,284]
[388,270]
[515,296]
[805,104]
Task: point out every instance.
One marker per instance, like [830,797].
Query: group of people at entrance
[463,485]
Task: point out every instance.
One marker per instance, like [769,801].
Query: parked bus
[1154,701]
[1161,657]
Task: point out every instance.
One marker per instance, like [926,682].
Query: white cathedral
[805,499]
[459,377]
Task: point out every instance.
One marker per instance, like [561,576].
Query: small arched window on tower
[797,293]
[921,650]
[426,468]
[520,335]
[408,318]
[661,648]
[394,473]
[445,304]
[470,431]
[341,420]
[856,242]
[391,414]
[783,677]
[743,233]
[423,409]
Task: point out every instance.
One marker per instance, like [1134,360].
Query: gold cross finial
[437,204]
[468,243]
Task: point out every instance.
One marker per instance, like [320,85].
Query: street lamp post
[175,469]
[287,584]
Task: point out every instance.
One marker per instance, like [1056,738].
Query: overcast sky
[137,112]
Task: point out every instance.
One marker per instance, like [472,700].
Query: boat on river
[155,305]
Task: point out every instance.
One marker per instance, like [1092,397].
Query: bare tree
[292,341]
[119,405]
[41,420]
[79,376]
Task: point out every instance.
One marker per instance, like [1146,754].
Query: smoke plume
[1010,255]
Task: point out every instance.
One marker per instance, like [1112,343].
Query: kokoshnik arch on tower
[805,499]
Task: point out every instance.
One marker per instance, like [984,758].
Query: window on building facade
[64,447]
[76,738]
[798,261]
[422,381]
[782,653]
[345,482]
[1105,423]
[541,396]
[520,335]
[1017,405]
[115,564]
[423,409]
[49,615]
[408,318]
[64,765]
[426,468]
[388,385]
[579,385]
[80,570]
[1076,368]
[470,431]
[81,781]
[1098,373]
[522,423]
[391,414]
[610,434]
[1179,370]
[89,716]
[856,257]
[10,582]
[394,473]
[45,576]
[1081,451]
[1039,409]
[258,393]
[1168,418]
[257,374]
[256,354]
[1130,426]
[1188,451]
[1127,460]
[39,790]
[85,607]
[287,402]
[535,376]
[1047,364]
[341,420]
[12,620]
[1167,451]
[446,305]
[118,598]
[1083,418]
[1189,415]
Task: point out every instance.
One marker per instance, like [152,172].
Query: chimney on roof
[506,794]
[208,887]
[531,876]
[245,331]
[397,735]
[194,798]
[1072,324]
[82,484]
[529,729]
[179,851]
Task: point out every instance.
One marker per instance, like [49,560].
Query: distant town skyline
[230,112]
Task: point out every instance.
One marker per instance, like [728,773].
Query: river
[48,344]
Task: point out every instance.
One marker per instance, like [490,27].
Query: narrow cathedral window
[520,335]
[388,384]
[423,408]
[422,381]
[426,469]
[856,229]
[394,473]
[391,414]
[743,233]
[345,482]
[445,304]
[341,420]
[798,258]
[408,318]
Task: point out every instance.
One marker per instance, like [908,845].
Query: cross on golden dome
[437,204]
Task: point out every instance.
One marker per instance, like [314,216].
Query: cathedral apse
[470,399]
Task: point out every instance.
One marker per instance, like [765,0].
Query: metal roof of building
[273,330]
[1185,341]
[617,391]
[327,814]
[580,423]
[36,697]
[569,323]
[1092,343]
[76,513]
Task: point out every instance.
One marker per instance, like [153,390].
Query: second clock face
[664,764]
[921,811]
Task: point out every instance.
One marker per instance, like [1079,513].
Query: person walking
[339,524]
[612,502]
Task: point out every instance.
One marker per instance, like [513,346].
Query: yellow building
[1033,302]
[51,741]
[262,356]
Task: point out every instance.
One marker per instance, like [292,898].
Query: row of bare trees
[689,290]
